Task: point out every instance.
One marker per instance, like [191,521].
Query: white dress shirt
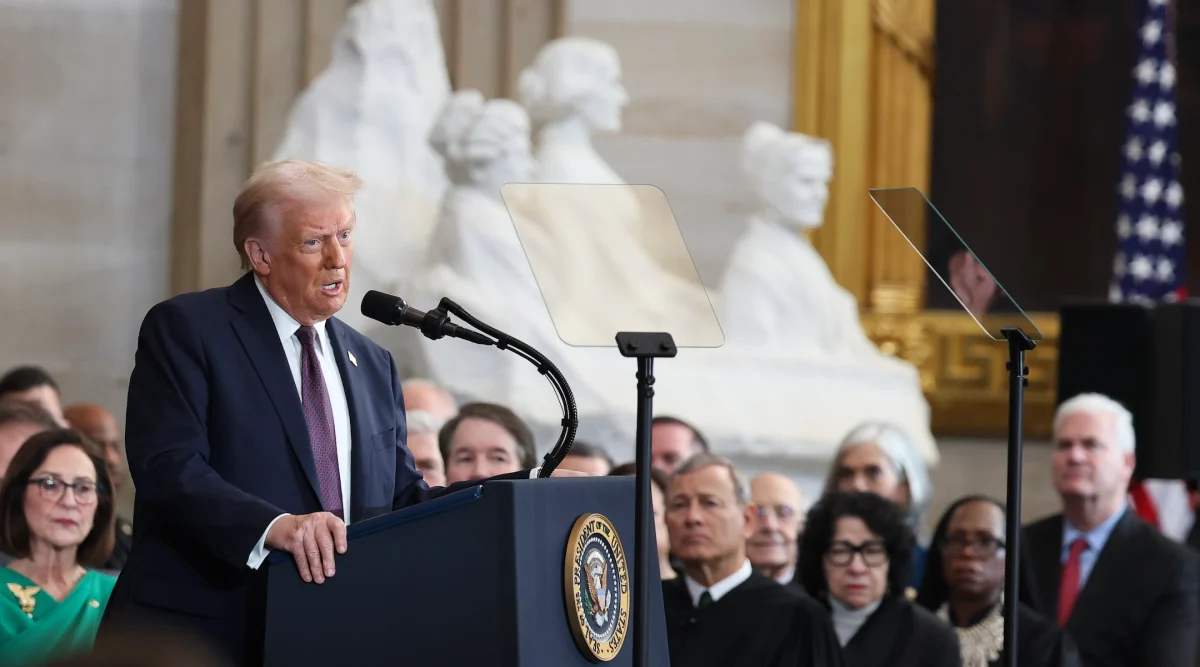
[286,326]
[719,589]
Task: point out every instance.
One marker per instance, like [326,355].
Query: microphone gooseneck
[436,324]
[566,398]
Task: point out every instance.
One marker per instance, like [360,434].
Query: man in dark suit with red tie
[1126,594]
[257,421]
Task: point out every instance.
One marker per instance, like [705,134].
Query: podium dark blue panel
[474,578]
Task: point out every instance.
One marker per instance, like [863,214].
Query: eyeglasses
[781,512]
[841,554]
[53,488]
[983,545]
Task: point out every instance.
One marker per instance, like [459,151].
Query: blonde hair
[277,186]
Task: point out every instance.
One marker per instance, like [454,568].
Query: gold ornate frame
[862,78]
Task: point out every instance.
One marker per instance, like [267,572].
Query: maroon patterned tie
[318,414]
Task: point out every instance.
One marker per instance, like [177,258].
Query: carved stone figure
[619,259]
[476,258]
[777,291]
[371,110]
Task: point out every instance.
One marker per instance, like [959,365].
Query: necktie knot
[705,600]
[1079,546]
[307,335]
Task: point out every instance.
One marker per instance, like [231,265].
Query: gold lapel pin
[25,597]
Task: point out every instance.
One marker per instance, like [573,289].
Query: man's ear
[260,259]
[748,513]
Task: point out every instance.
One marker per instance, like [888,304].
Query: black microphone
[394,311]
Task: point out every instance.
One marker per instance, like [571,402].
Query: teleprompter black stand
[1018,344]
[645,347]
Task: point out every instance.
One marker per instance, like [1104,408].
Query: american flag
[1150,260]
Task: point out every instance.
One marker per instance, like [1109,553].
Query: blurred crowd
[753,572]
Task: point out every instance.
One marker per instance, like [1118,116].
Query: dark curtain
[1029,107]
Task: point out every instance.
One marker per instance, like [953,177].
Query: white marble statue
[621,260]
[476,258]
[777,291]
[789,326]
[371,110]
[573,90]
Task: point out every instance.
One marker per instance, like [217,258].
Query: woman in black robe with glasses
[854,558]
[964,585]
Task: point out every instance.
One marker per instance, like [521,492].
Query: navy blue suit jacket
[218,447]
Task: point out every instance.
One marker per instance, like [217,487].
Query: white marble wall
[87,92]
[698,73]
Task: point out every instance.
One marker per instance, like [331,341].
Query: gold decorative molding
[862,79]
[964,371]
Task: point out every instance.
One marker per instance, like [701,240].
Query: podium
[479,577]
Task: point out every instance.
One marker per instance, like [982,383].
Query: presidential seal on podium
[597,587]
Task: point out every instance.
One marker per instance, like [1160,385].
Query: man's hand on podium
[311,539]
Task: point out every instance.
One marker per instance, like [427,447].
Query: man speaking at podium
[257,421]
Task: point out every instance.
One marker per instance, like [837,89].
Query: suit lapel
[1045,548]
[1110,563]
[259,338]
[352,381]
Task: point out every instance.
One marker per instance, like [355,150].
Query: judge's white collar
[719,589]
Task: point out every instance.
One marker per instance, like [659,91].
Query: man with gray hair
[722,612]
[423,430]
[429,396]
[1127,595]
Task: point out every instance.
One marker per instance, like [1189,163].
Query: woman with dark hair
[658,495]
[56,518]
[854,557]
[964,584]
[881,458]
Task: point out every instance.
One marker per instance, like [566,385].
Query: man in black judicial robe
[721,612]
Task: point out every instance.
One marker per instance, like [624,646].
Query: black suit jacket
[1140,606]
[218,448]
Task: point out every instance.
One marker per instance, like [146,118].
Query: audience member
[1127,595]
[964,585]
[19,421]
[34,384]
[854,558]
[423,430]
[100,426]
[882,459]
[722,612]
[56,511]
[658,491]
[485,440]
[775,526]
[673,441]
[586,457]
[420,394]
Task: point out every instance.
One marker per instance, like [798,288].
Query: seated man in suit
[1124,592]
[257,421]
[722,612]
